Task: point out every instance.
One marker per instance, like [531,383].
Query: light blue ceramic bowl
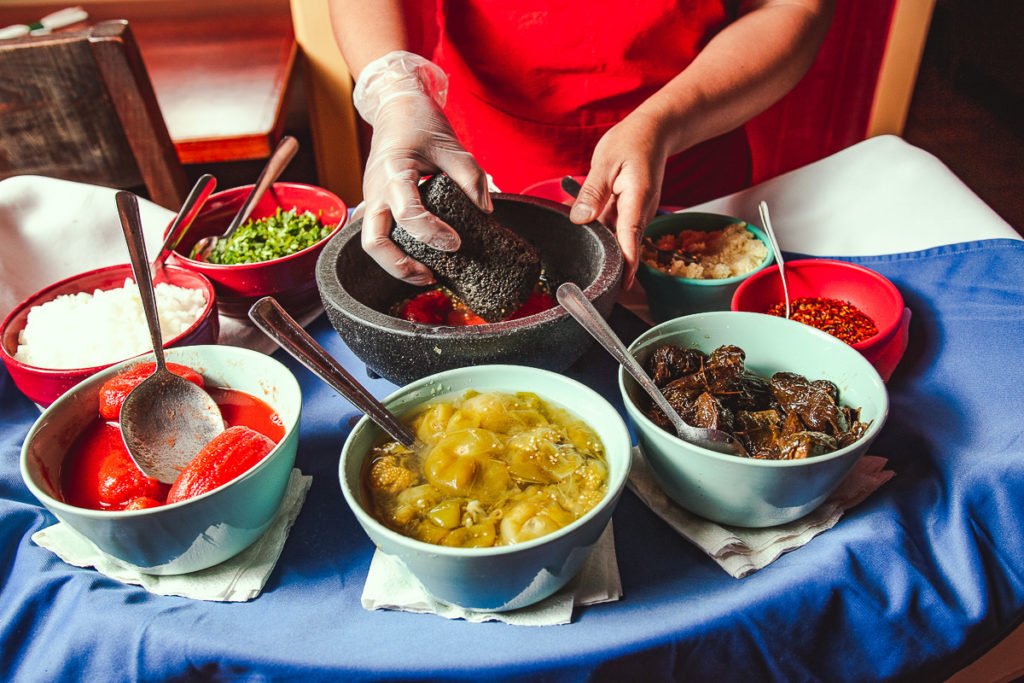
[506,577]
[742,491]
[196,533]
[669,296]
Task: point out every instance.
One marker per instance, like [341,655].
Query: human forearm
[367,29]
[742,71]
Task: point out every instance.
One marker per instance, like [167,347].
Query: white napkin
[238,579]
[740,550]
[390,585]
[54,229]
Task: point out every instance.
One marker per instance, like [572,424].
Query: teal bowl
[505,577]
[193,534]
[669,296]
[742,491]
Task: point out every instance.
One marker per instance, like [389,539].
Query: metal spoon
[268,315]
[186,214]
[277,162]
[574,301]
[762,208]
[166,419]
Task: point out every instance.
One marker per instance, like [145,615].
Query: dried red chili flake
[839,318]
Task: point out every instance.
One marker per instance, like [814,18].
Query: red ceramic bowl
[289,279]
[869,291]
[552,189]
[45,385]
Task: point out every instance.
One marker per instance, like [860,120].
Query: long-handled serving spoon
[580,308]
[166,419]
[275,322]
[762,208]
[277,162]
[186,214]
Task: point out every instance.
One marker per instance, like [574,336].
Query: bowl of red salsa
[75,463]
[852,303]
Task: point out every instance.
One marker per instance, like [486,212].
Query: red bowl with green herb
[288,276]
[827,283]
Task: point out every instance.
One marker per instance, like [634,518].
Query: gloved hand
[401,95]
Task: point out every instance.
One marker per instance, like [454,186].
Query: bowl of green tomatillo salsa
[273,253]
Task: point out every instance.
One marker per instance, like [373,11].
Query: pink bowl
[289,279]
[869,291]
[44,385]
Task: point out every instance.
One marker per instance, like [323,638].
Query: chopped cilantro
[263,239]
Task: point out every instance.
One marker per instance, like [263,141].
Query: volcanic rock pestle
[494,270]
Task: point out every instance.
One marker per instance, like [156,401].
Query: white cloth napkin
[53,229]
[238,579]
[390,585]
[741,551]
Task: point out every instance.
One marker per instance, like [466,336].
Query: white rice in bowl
[107,326]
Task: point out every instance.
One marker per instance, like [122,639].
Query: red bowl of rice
[79,334]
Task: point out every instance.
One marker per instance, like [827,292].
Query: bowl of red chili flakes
[847,300]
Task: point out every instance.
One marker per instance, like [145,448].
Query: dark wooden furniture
[222,70]
[79,105]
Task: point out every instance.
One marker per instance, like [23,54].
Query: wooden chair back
[80,106]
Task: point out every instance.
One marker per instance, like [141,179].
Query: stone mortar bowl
[357,293]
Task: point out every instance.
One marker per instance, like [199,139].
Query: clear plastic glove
[401,95]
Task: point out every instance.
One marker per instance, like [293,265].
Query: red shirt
[534,84]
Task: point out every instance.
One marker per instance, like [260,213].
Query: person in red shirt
[648,99]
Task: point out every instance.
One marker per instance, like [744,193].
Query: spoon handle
[193,203]
[579,307]
[131,225]
[279,159]
[268,315]
[766,220]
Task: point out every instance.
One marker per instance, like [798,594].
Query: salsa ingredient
[490,469]
[99,474]
[230,454]
[787,417]
[102,476]
[839,318]
[84,330]
[705,255]
[115,389]
[440,307]
[263,239]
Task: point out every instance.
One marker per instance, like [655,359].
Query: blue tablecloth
[915,582]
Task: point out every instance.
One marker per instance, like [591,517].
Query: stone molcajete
[357,295]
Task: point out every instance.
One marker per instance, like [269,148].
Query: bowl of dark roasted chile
[494,301]
[75,463]
[804,405]
[273,253]
[852,303]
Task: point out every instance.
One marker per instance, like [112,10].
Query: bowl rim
[611,270]
[884,332]
[36,299]
[59,505]
[193,264]
[709,282]
[611,495]
[870,433]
